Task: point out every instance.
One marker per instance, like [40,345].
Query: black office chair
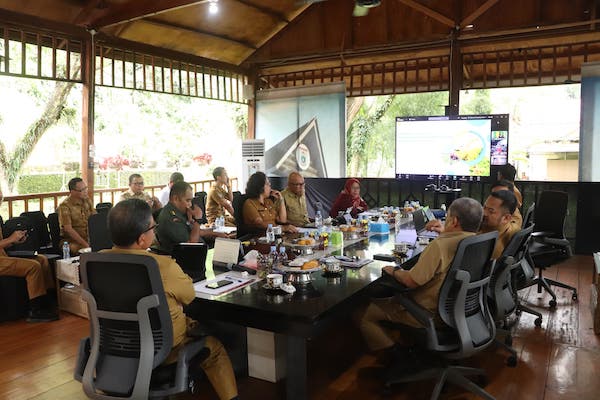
[54,228]
[549,245]
[528,219]
[131,331]
[468,326]
[199,200]
[104,207]
[242,230]
[98,232]
[40,225]
[502,296]
[27,248]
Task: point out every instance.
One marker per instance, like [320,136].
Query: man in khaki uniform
[36,272]
[220,198]
[295,200]
[131,228]
[426,277]
[136,191]
[503,184]
[73,214]
[498,215]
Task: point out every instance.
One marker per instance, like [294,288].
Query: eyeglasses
[82,189]
[297,184]
[138,183]
[151,227]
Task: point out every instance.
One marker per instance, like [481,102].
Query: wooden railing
[48,202]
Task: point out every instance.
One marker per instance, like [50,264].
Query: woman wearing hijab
[349,198]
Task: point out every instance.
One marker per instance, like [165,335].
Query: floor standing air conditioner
[253,159]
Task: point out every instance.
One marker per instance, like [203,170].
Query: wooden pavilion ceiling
[278,37]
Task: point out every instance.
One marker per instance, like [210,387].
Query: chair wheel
[508,340]
[574,296]
[538,322]
[511,361]
[552,303]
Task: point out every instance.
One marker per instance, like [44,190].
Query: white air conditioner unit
[253,159]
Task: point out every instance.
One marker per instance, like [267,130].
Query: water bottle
[272,259]
[270,234]
[66,250]
[318,220]
[283,258]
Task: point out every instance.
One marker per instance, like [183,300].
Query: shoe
[42,316]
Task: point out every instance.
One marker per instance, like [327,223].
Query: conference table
[305,314]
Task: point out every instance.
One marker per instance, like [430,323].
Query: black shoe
[42,316]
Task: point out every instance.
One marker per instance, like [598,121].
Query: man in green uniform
[178,222]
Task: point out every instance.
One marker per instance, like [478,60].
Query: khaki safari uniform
[173,228]
[214,209]
[36,271]
[429,273]
[254,209]
[76,213]
[130,195]
[179,291]
[505,234]
[295,206]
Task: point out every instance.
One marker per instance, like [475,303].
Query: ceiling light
[213,8]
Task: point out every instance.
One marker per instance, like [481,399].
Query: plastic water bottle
[283,258]
[66,250]
[318,220]
[270,234]
[272,259]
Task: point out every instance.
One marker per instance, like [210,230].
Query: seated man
[463,220]
[498,212]
[132,231]
[163,195]
[73,215]
[219,198]
[508,172]
[179,222]
[136,191]
[295,200]
[503,184]
[36,272]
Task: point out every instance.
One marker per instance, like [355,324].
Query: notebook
[191,257]
[420,221]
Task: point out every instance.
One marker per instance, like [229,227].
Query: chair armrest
[184,357]
[541,234]
[556,241]
[82,358]
[421,314]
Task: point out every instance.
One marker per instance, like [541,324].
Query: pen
[233,279]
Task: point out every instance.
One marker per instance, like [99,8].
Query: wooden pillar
[250,93]
[455,75]
[87,112]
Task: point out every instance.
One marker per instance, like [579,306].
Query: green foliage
[371,134]
[42,183]
[480,103]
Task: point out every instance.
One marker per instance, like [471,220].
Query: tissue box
[379,227]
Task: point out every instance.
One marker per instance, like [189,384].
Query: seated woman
[264,206]
[349,198]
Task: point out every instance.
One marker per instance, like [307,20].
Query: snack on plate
[306,242]
[310,264]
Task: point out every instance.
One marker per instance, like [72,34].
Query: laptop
[420,220]
[191,257]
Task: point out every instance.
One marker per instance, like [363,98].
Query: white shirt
[163,195]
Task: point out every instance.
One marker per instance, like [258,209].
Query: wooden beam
[138,9]
[85,12]
[88,69]
[139,47]
[429,12]
[264,10]
[477,13]
[157,22]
